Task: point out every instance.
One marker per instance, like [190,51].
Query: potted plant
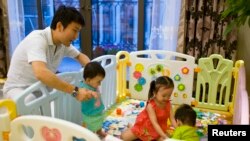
[239,10]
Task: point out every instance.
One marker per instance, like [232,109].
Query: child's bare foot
[101,133]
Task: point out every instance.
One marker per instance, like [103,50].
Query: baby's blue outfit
[92,116]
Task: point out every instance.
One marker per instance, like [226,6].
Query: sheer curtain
[165,23]
[16,23]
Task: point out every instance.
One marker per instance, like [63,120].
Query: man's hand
[84,94]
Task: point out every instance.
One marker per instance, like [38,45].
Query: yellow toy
[7,114]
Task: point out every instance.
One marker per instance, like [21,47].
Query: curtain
[12,31]
[165,23]
[16,24]
[3,39]
[204,30]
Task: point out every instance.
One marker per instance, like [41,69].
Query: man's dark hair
[93,69]
[66,15]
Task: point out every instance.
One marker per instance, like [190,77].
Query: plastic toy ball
[118,111]
[141,104]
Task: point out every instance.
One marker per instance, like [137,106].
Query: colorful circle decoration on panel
[177,77]
[165,72]
[158,70]
[185,70]
[175,94]
[152,71]
[137,74]
[138,87]
[181,87]
[184,96]
[142,81]
[139,67]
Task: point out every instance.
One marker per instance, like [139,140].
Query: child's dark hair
[93,69]
[66,15]
[162,81]
[186,114]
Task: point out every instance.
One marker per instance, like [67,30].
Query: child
[151,123]
[92,109]
[185,118]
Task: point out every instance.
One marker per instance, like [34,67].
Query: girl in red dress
[151,123]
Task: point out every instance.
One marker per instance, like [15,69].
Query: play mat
[120,115]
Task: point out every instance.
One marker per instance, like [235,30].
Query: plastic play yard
[215,86]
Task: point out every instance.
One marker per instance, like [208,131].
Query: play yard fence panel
[61,105]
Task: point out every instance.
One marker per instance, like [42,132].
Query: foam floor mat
[120,115]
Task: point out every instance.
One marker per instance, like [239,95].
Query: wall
[243,52]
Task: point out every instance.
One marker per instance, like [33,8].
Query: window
[111,25]
[115,25]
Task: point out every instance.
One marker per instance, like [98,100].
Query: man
[39,54]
